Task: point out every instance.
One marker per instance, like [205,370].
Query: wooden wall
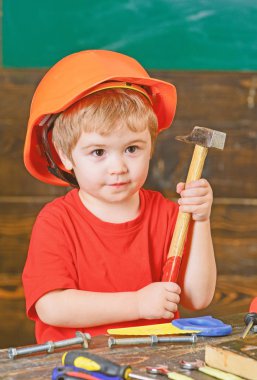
[225,101]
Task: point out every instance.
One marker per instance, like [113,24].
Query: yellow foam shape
[160,329]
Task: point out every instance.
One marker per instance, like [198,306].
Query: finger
[168,315]
[198,183]
[171,307]
[193,209]
[172,297]
[192,201]
[172,287]
[195,192]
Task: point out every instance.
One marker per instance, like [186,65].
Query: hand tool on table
[213,372]
[69,373]
[152,340]
[163,370]
[250,318]
[207,325]
[73,376]
[50,346]
[203,138]
[95,363]
[65,372]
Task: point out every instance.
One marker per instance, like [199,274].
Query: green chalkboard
[161,34]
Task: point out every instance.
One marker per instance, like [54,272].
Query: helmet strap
[53,168]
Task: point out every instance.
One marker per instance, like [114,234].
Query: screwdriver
[72,375]
[251,318]
[92,362]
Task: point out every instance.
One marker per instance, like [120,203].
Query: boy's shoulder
[59,205]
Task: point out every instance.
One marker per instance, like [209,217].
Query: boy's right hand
[158,300]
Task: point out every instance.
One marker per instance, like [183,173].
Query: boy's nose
[117,166]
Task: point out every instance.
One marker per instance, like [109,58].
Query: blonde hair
[104,112]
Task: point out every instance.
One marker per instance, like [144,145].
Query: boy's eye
[132,149]
[98,152]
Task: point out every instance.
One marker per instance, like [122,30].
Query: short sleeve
[49,265]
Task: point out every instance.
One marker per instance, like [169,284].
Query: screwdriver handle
[59,373]
[92,362]
[253,306]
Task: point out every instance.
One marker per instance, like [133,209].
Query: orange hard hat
[71,79]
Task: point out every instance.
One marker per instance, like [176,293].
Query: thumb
[180,187]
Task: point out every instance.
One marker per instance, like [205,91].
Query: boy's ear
[65,160]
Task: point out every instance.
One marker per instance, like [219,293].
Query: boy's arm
[79,308]
[198,269]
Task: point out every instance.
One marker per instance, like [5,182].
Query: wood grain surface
[225,101]
[40,366]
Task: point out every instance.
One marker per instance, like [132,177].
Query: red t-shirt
[71,248]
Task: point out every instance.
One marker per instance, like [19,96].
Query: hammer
[203,138]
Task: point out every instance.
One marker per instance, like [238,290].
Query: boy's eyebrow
[100,146]
[136,141]
[93,145]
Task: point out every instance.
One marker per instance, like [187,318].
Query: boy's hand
[196,198]
[158,300]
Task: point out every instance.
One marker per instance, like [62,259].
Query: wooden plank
[229,93]
[14,177]
[238,357]
[16,329]
[215,100]
[16,91]
[16,221]
[213,95]
[218,100]
[40,366]
[225,170]
[234,230]
[233,295]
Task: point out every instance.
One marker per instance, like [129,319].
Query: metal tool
[191,365]
[199,365]
[163,370]
[203,138]
[152,340]
[207,325]
[50,346]
[250,320]
[95,363]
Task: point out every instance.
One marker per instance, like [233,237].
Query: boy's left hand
[196,198]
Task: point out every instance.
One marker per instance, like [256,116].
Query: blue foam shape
[208,325]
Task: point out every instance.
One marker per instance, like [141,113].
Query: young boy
[96,254]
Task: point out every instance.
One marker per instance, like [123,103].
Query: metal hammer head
[209,138]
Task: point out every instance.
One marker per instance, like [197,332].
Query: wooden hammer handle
[171,268]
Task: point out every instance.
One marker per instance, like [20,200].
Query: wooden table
[40,366]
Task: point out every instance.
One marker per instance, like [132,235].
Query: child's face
[111,168]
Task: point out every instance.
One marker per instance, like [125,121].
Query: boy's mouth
[119,184]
